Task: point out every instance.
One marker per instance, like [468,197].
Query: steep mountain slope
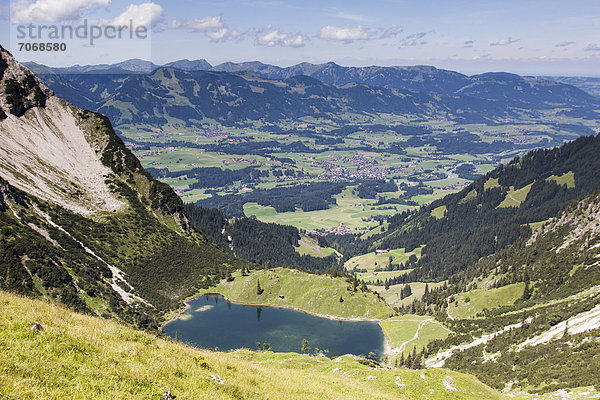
[492,212]
[546,338]
[81,221]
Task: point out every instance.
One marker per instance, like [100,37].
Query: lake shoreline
[331,317]
[387,350]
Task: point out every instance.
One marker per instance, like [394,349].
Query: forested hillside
[492,212]
[545,337]
[256,241]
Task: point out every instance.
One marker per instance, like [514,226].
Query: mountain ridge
[421,78]
[82,223]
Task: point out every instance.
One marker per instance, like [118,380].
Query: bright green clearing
[83,357]
[491,183]
[480,299]
[438,212]
[392,294]
[567,179]
[371,277]
[408,331]
[514,198]
[309,246]
[317,294]
[372,261]
[535,225]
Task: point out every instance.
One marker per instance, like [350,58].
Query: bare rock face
[45,147]
[20,90]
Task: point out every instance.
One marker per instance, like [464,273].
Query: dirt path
[416,336]
[448,312]
[394,351]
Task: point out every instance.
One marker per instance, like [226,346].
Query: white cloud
[277,38]
[414,39]
[212,26]
[224,35]
[199,24]
[145,14]
[468,44]
[564,44]
[392,32]
[347,35]
[25,11]
[504,42]
[351,17]
[592,47]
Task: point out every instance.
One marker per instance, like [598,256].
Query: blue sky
[527,37]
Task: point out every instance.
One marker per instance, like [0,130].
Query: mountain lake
[212,322]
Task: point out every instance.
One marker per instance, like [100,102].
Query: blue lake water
[213,322]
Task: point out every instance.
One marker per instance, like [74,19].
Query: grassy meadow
[316,294]
[79,356]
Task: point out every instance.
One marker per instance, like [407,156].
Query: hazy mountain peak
[190,65]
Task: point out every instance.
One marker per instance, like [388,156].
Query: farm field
[309,246]
[357,156]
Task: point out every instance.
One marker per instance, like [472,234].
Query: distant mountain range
[185,92]
[422,78]
[587,84]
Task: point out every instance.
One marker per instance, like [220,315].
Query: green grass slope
[317,294]
[406,332]
[469,304]
[82,357]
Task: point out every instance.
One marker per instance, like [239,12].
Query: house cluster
[340,174]
[358,160]
[161,135]
[212,133]
[341,229]
[133,146]
[162,150]
[455,186]
[232,160]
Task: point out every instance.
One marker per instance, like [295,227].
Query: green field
[370,277]
[317,294]
[392,294]
[372,261]
[349,210]
[514,198]
[468,304]
[567,179]
[310,247]
[438,212]
[84,357]
[320,163]
[409,331]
